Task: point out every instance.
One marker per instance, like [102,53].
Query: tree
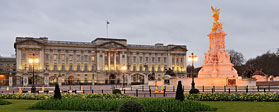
[57,94]
[179,92]
[237,58]
[267,62]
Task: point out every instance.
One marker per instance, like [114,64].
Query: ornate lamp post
[32,61]
[123,68]
[192,59]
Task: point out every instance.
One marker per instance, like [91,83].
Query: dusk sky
[252,26]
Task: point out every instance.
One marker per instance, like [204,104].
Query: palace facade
[97,62]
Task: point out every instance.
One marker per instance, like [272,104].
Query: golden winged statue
[216,13]
[216,24]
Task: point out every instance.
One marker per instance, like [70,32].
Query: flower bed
[150,104]
[29,96]
[233,97]
[3,102]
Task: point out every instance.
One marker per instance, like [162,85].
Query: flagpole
[107,29]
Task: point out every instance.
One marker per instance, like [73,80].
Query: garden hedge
[150,105]
[233,97]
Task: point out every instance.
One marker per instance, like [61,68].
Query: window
[85,58]
[111,58]
[93,68]
[146,59]
[134,68]
[159,69]
[135,59]
[159,59]
[78,67]
[85,68]
[47,58]
[153,69]
[177,60]
[54,56]
[117,58]
[173,60]
[78,57]
[153,59]
[55,67]
[23,56]
[63,67]
[140,59]
[92,58]
[71,57]
[181,60]
[63,57]
[71,67]
[165,59]
[146,68]
[140,68]
[46,67]
[106,58]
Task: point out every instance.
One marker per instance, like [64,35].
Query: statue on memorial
[216,24]
[216,13]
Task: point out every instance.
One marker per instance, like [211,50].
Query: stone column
[108,60]
[145,79]
[60,80]
[93,80]
[114,60]
[128,79]
[46,79]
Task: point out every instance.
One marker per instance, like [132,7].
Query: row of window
[148,59]
[177,60]
[78,68]
[7,64]
[69,57]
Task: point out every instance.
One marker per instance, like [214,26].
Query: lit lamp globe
[124,68]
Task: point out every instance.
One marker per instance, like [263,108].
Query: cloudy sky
[252,25]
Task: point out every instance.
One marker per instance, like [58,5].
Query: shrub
[57,94]
[150,105]
[194,91]
[179,92]
[116,91]
[3,102]
[233,97]
[172,105]
[131,106]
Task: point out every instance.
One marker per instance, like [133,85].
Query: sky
[252,26]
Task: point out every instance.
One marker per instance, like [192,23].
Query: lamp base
[33,89]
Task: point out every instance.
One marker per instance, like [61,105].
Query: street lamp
[32,61]
[192,59]
[123,68]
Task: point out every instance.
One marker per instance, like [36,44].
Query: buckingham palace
[101,61]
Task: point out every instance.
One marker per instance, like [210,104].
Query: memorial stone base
[215,82]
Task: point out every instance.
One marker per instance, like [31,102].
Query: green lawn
[234,106]
[223,106]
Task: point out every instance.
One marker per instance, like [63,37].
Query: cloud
[252,26]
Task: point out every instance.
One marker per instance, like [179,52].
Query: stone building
[96,62]
[7,70]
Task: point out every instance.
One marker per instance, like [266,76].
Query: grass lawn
[234,106]
[22,106]
[223,106]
